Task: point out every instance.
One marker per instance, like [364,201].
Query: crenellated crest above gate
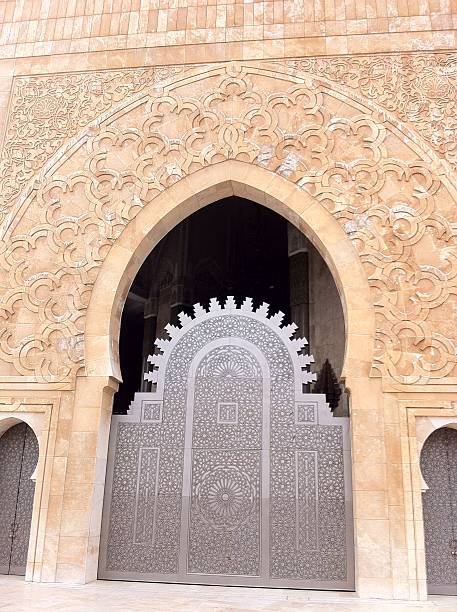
[230,318]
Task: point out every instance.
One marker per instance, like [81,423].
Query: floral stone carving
[419,88]
[47,111]
[392,198]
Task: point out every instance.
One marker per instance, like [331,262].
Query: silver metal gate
[227,473]
[439,468]
[18,460]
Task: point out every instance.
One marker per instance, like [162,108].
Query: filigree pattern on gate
[213,475]
[392,199]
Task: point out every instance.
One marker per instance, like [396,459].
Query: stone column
[298,279]
[372,491]
[80,518]
[149,336]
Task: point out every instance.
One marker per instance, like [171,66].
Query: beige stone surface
[103,596]
[117,120]
[404,212]
[223,29]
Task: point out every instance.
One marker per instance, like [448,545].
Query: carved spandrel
[348,163]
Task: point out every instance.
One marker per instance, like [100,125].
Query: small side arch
[33,420]
[438,464]
[19,460]
[426,426]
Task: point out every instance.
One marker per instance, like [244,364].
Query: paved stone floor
[103,596]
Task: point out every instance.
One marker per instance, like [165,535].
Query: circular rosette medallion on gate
[225,498]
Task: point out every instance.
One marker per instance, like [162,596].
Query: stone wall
[43,27]
[72,181]
[339,116]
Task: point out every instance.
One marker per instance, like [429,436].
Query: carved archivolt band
[392,198]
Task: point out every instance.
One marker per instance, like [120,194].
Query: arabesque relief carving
[419,88]
[391,196]
[47,111]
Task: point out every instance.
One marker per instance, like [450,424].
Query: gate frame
[265,316]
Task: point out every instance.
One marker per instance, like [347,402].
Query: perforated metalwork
[439,468]
[18,460]
[242,479]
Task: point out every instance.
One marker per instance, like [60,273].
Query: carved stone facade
[393,197]
[357,151]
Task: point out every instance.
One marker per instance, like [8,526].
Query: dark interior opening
[232,247]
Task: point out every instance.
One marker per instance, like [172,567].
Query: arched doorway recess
[194,192]
[372,194]
[229,471]
[231,247]
[438,462]
[19,454]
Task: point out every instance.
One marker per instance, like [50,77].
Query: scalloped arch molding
[392,196]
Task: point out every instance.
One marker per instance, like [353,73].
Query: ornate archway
[194,192]
[139,238]
[377,204]
[388,192]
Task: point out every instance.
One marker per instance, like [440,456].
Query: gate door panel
[18,459]
[226,465]
[439,468]
[227,473]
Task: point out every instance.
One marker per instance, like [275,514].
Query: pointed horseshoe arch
[189,195]
[19,456]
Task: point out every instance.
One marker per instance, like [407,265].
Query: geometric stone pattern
[419,88]
[392,195]
[439,468]
[18,460]
[48,111]
[257,500]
